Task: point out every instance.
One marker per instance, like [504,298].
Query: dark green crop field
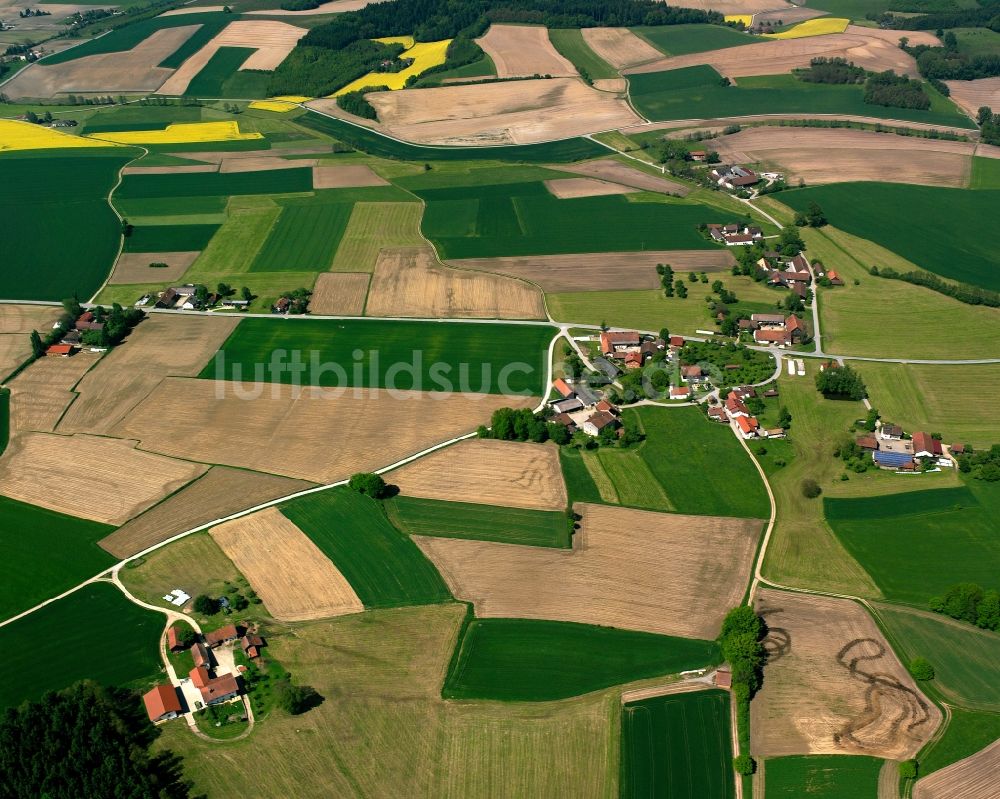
[525,219]
[570,44]
[917,544]
[940,230]
[697,93]
[542,528]
[304,239]
[44,554]
[93,634]
[677,747]
[431,356]
[968,732]
[384,567]
[140,117]
[534,661]
[169,238]
[580,486]
[367,141]
[685,39]
[822,777]
[61,237]
[193,184]
[211,80]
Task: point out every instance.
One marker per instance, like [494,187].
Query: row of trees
[968,602]
[813,216]
[841,382]
[989,125]
[970,295]
[741,641]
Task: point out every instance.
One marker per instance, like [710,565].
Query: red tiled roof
[601,419]
[868,442]
[172,641]
[223,685]
[199,676]
[717,413]
[691,371]
[222,634]
[563,387]
[746,423]
[59,349]
[677,341]
[922,442]
[161,700]
[958,449]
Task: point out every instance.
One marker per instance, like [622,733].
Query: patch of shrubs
[983,465]
[970,603]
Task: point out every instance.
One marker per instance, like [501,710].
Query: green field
[140,117]
[985,173]
[525,219]
[977,41]
[964,657]
[385,568]
[677,747]
[948,536]
[483,68]
[169,238]
[30,535]
[633,480]
[69,194]
[446,356]
[697,93]
[542,528]
[220,74]
[822,777]
[968,732]
[305,238]
[93,634]
[686,39]
[535,661]
[368,141]
[570,44]
[580,484]
[219,184]
[941,231]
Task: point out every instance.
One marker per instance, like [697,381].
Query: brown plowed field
[657,572]
[620,47]
[16,324]
[218,493]
[41,393]
[488,472]
[511,112]
[833,685]
[131,70]
[570,188]
[348,176]
[162,345]
[340,293]
[263,163]
[778,56]
[279,433]
[134,267]
[219,156]
[290,574]
[820,155]
[618,85]
[524,50]
[617,172]
[409,281]
[104,479]
[601,271]
[972,778]
[971,95]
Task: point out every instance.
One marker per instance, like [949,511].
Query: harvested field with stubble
[340,293]
[373,226]
[216,494]
[161,346]
[833,685]
[16,324]
[617,172]
[620,47]
[972,778]
[522,51]
[134,267]
[290,574]
[510,112]
[601,271]
[344,177]
[971,95]
[633,569]
[819,155]
[570,188]
[41,393]
[412,282]
[103,479]
[262,163]
[506,473]
[214,421]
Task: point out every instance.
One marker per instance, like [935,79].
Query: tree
[841,381]
[784,418]
[908,769]
[37,345]
[186,637]
[248,295]
[558,433]
[985,115]
[962,602]
[921,669]
[744,764]
[742,620]
[810,488]
[295,699]
[225,290]
[815,216]
[988,611]
[206,605]
[369,484]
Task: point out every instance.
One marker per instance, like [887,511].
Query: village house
[735,235]
[925,446]
[616,343]
[221,636]
[63,350]
[566,421]
[867,443]
[747,426]
[698,155]
[214,690]
[598,421]
[680,392]
[86,322]
[251,645]
[733,177]
[899,461]
[777,329]
[175,296]
[201,655]
[693,374]
[718,414]
[564,388]
[605,367]
[890,432]
[162,703]
[173,640]
[567,405]
[734,406]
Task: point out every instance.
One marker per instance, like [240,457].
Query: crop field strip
[572,44]
[277,181]
[822,776]
[968,732]
[304,238]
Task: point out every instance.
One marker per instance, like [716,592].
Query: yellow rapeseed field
[746,19]
[281,104]
[424,54]
[180,133]
[15,135]
[813,27]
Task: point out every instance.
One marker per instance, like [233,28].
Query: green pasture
[822,776]
[542,528]
[964,657]
[437,356]
[985,173]
[535,661]
[384,567]
[852,9]
[93,634]
[368,141]
[304,238]
[697,93]
[938,229]
[633,480]
[977,41]
[45,553]
[917,544]
[219,184]
[525,219]
[166,208]
[220,75]
[169,238]
[570,44]
[968,732]
[677,747]
[61,237]
[686,39]
[140,117]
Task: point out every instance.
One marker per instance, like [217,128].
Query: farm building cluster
[734,235]
[893,449]
[734,177]
[735,413]
[73,339]
[774,329]
[186,298]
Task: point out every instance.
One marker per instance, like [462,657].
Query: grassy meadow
[968,732]
[822,776]
[384,567]
[570,44]
[221,77]
[686,39]
[678,747]
[535,661]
